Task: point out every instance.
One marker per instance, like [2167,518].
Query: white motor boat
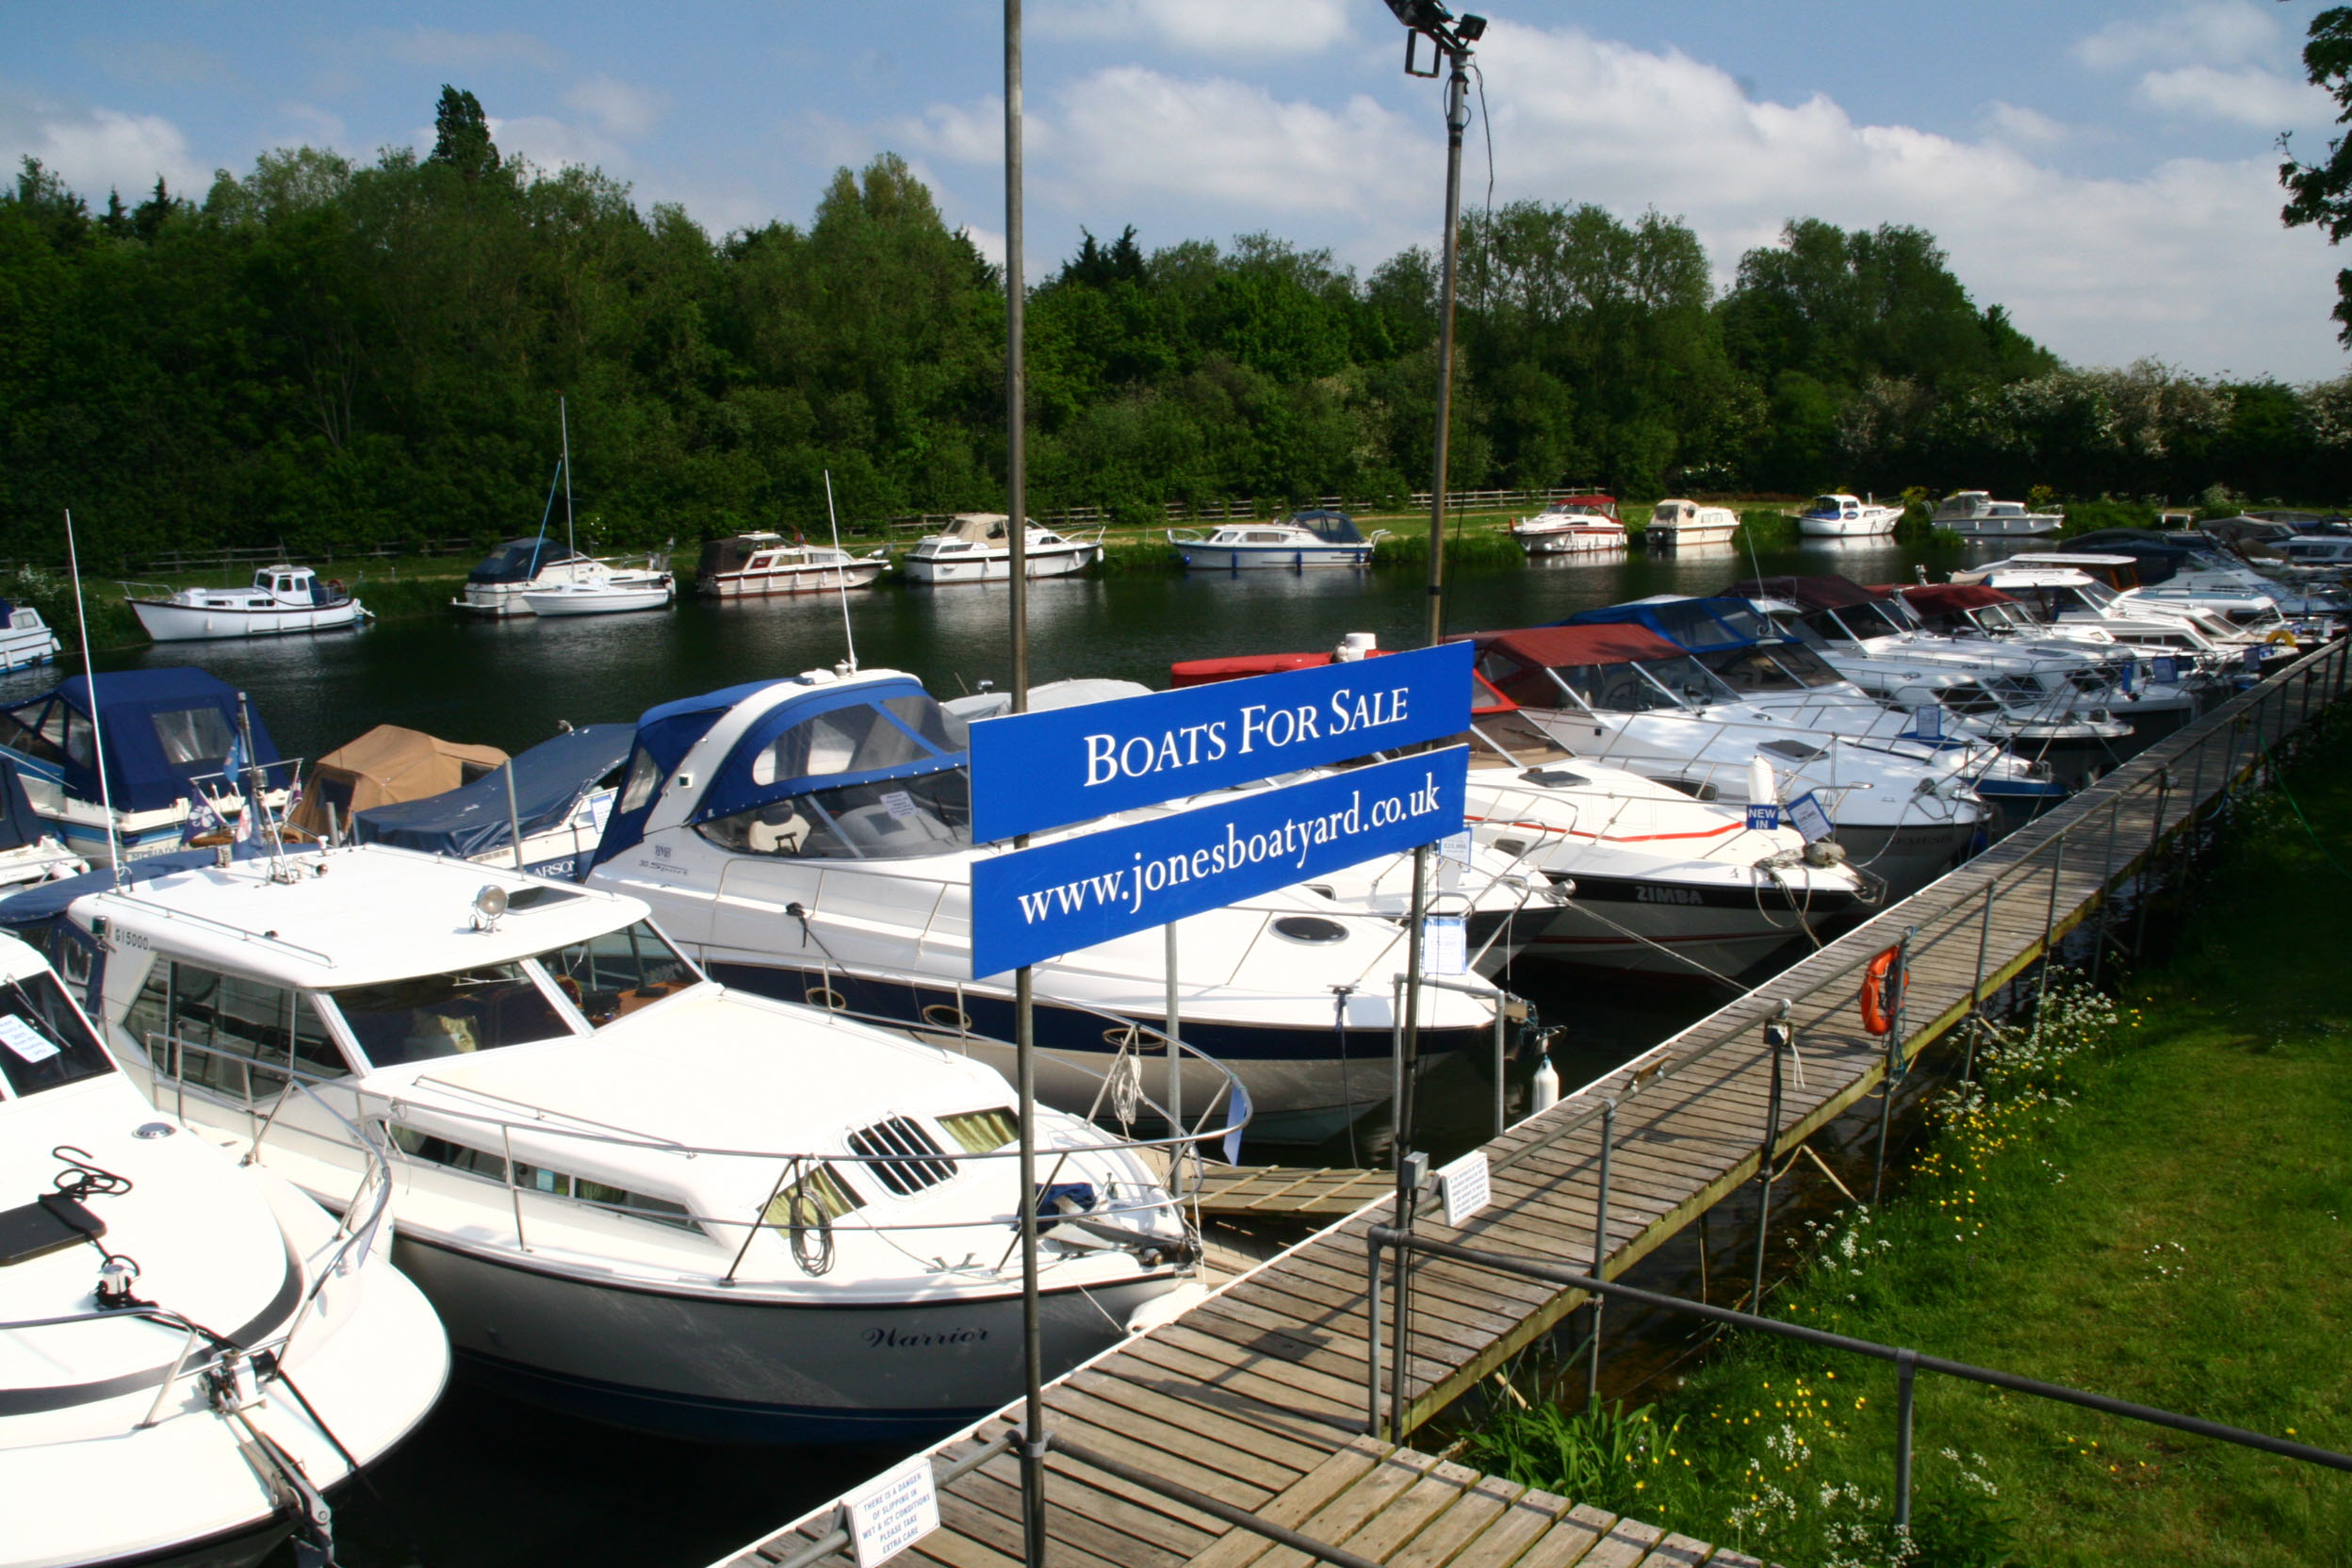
[194,1351]
[1304,539]
[281,600]
[2195,569]
[1678,524]
[1575,526]
[2161,651]
[25,639]
[760,565]
[170,736]
[496,587]
[977,547]
[630,1193]
[558,794]
[2250,616]
[1974,515]
[1905,810]
[811,839]
[607,590]
[1843,516]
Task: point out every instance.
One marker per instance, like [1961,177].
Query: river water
[490,1482]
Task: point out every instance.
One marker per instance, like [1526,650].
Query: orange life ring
[1878,1006]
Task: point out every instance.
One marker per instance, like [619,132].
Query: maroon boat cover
[1952,598]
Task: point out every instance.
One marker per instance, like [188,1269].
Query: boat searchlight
[489,905]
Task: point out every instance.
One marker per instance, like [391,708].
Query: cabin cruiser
[25,639]
[282,600]
[557,794]
[810,839]
[761,565]
[2054,706]
[1317,538]
[977,547]
[1843,516]
[1676,525]
[2065,598]
[1647,878]
[2162,651]
[631,1193]
[2251,613]
[168,738]
[606,590]
[2190,568]
[2327,557]
[1572,526]
[194,1351]
[1974,515]
[1905,809]
[496,587]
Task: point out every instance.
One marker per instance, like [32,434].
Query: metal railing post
[2049,916]
[2148,871]
[1906,1366]
[1976,988]
[1600,1250]
[1372,1355]
[1502,1113]
[1893,1069]
[1775,1038]
[2106,893]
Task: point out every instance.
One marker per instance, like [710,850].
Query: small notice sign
[1465,1184]
[1444,946]
[897,1509]
[1927,724]
[1456,848]
[2167,669]
[1809,817]
[1763,818]
[23,1038]
[899,804]
[2254,657]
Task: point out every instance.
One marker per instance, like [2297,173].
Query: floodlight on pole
[1450,38]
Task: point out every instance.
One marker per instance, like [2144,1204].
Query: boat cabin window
[230,1033]
[530,1177]
[44,1042]
[1775,667]
[644,774]
[615,972]
[481,1009]
[1966,696]
[193,734]
[890,819]
[46,732]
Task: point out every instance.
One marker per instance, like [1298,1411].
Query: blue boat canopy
[831,736]
[1332,528]
[1700,625]
[161,728]
[521,560]
[19,827]
[550,780]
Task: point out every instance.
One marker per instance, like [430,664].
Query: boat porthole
[827,998]
[940,1016]
[1310,928]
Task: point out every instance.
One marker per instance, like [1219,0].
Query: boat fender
[1884,985]
[2283,638]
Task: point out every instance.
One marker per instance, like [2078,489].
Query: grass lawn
[2153,1200]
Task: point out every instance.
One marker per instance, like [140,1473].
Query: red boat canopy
[1952,598]
[1204,672]
[1547,646]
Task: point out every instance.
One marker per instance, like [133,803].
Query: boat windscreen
[478,1008]
[1332,528]
[614,972]
[1775,667]
[885,819]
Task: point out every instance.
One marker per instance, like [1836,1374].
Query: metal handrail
[1906,1361]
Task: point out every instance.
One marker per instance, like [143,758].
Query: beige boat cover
[388,764]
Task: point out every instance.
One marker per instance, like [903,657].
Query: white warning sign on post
[895,1510]
[1465,1186]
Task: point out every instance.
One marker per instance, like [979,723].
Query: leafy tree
[461,135]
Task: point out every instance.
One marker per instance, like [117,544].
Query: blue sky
[2106,171]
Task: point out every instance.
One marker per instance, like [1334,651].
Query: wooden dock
[1257,1396]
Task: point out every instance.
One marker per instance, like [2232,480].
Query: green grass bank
[2148,1196]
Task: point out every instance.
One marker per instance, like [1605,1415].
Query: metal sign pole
[1024,1043]
[1457,121]
[1175,1068]
[1408,1060]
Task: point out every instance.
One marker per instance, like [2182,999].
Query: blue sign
[1034,771]
[1055,898]
[1764,817]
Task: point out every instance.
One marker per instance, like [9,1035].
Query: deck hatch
[921,1164]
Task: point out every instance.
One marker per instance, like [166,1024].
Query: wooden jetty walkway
[1257,1398]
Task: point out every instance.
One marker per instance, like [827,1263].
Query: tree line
[330,356]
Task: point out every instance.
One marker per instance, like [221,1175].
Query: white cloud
[1232,29]
[2218,32]
[440,47]
[94,150]
[623,110]
[970,133]
[315,126]
[2024,127]
[2249,95]
[1129,131]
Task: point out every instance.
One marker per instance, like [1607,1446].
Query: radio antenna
[89,678]
[841,571]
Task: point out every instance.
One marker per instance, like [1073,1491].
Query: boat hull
[1653,928]
[1288,558]
[1573,541]
[996,566]
[166,622]
[2001,527]
[1847,528]
[708,1368]
[1689,537]
[613,601]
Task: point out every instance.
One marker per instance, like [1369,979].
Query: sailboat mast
[564,423]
